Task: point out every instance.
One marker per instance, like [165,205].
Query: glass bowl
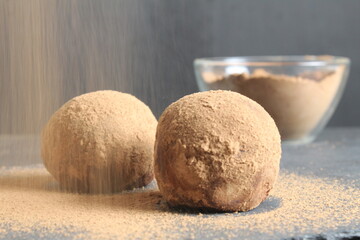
[299,92]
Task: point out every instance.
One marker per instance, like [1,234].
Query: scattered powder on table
[31,202]
[297,103]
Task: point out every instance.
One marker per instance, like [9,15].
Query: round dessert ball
[216,150]
[100,142]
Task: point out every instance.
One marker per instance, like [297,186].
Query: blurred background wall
[51,51]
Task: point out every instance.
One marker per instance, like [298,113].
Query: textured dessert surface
[217,150]
[100,142]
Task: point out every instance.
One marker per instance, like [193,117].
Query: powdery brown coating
[100,142]
[218,150]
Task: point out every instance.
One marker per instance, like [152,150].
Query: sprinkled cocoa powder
[31,202]
[100,142]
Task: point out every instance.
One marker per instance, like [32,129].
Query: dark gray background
[51,51]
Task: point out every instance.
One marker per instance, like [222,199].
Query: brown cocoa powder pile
[31,202]
[297,103]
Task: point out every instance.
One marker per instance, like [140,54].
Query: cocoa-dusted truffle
[100,142]
[216,150]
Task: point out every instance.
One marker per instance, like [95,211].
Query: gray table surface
[335,154]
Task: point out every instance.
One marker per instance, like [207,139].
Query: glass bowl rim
[290,60]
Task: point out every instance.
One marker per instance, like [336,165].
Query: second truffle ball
[100,142]
[216,150]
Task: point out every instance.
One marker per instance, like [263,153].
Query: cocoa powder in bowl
[297,103]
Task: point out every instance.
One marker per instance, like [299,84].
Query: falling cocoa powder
[297,103]
[100,142]
[31,204]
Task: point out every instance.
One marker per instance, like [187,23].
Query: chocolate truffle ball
[216,150]
[100,142]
